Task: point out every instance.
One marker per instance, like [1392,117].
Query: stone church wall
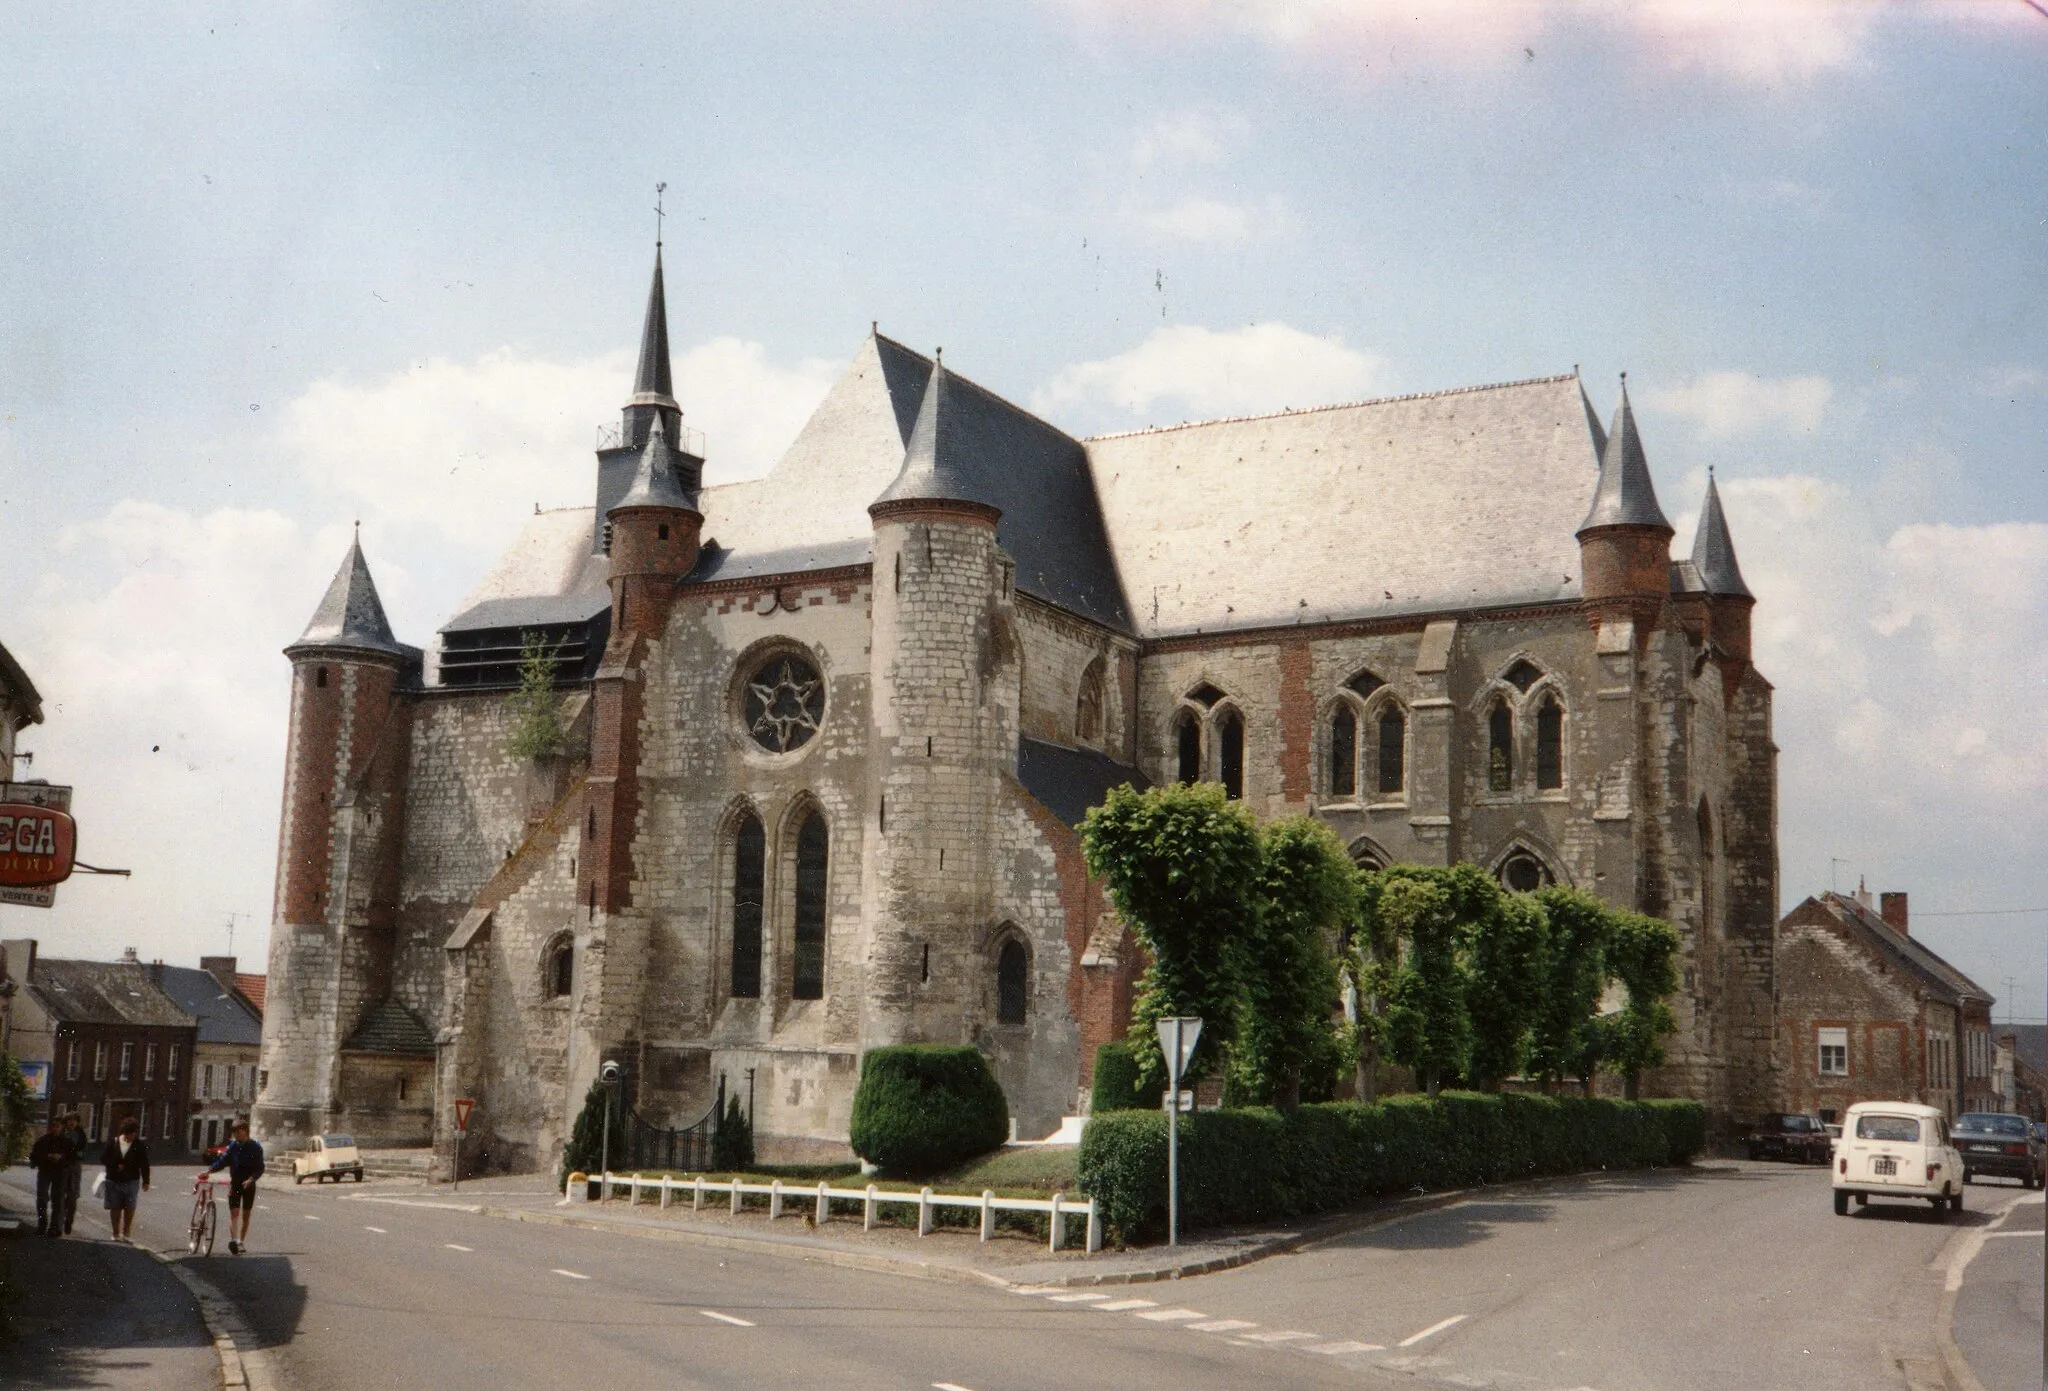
[1057,650]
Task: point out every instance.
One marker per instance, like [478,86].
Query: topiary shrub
[1118,1083]
[732,1144]
[585,1149]
[925,1107]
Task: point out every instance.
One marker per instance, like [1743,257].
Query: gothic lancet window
[561,968]
[1500,748]
[1524,674]
[1013,967]
[1088,705]
[807,981]
[1393,769]
[1343,753]
[1550,744]
[749,866]
[1187,737]
[1230,753]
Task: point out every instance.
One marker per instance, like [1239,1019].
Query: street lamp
[609,1075]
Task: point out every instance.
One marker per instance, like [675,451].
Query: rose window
[784,702]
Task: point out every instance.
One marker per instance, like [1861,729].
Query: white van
[1897,1149]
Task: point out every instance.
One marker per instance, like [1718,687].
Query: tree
[1508,949]
[15,1109]
[1563,1041]
[1287,1039]
[585,1150]
[1180,865]
[1428,1026]
[536,710]
[1373,957]
[1642,954]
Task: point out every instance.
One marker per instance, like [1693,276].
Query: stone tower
[942,641]
[337,861]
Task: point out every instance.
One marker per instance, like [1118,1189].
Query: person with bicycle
[243,1159]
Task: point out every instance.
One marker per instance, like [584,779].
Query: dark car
[1785,1135]
[2003,1145]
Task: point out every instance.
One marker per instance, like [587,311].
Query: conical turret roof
[351,616]
[654,482]
[1593,425]
[935,467]
[1625,495]
[653,384]
[1713,550]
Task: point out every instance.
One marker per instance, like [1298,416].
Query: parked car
[1784,1135]
[330,1157]
[1897,1149]
[2003,1145]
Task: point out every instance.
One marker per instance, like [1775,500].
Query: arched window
[1187,737]
[1549,744]
[1523,872]
[807,980]
[559,969]
[1013,982]
[1088,705]
[749,866]
[1343,752]
[1500,748]
[1230,753]
[1393,751]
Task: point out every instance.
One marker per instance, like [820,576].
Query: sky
[269,270]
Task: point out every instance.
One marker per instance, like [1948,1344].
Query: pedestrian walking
[243,1159]
[127,1163]
[49,1156]
[74,1168]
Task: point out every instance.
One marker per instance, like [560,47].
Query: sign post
[463,1106]
[1177,1036]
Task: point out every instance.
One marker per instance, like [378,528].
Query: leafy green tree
[1508,948]
[1428,1026]
[1286,1038]
[1563,1039]
[1642,954]
[1374,955]
[1180,865]
[536,709]
[585,1150]
[15,1112]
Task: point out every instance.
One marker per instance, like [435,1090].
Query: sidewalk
[90,1313]
[954,1254]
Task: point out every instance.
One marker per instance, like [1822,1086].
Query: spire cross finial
[659,190]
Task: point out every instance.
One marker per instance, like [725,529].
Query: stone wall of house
[1829,980]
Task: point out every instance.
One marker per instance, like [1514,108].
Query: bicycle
[205,1215]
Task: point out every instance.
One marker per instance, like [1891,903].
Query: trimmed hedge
[1259,1164]
[925,1107]
[1115,1086]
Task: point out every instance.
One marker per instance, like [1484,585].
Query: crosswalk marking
[453,1247]
[1289,1336]
[1332,1349]
[378,1230]
[569,1274]
[1222,1325]
[1170,1315]
[1118,1306]
[1430,1332]
[1076,1298]
[733,1319]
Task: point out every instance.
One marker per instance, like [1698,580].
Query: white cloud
[1214,221]
[748,407]
[1736,403]
[1190,137]
[1759,41]
[1205,373]
[2014,381]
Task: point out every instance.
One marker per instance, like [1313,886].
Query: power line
[1978,912]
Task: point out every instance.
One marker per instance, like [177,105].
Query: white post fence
[1058,1208]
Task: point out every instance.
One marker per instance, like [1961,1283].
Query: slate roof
[1068,782]
[939,460]
[1713,550]
[548,574]
[103,992]
[654,482]
[351,616]
[1900,947]
[652,382]
[393,1030]
[1625,495]
[224,1017]
[1409,505]
[18,692]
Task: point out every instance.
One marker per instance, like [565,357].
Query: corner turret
[1728,600]
[655,529]
[1625,541]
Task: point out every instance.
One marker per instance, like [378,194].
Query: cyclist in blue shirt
[243,1159]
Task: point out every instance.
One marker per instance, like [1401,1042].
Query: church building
[830,733]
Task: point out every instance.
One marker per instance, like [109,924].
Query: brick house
[228,1051]
[117,1045]
[829,733]
[1868,1013]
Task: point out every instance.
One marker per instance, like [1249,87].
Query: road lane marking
[726,1318]
[453,1247]
[1222,1325]
[1430,1332]
[568,1274]
[1032,1289]
[1118,1306]
[947,1386]
[1286,1337]
[378,1230]
[1076,1298]
[1332,1349]
[1171,1315]
[1990,1236]
[309,1217]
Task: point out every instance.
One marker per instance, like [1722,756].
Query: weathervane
[659,189]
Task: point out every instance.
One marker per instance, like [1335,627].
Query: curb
[1953,1261]
[243,1365]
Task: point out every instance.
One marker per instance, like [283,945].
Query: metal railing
[690,439]
[645,1145]
[1059,1207]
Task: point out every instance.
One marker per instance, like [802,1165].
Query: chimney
[221,968]
[156,973]
[129,958]
[1894,910]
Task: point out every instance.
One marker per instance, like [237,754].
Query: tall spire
[652,383]
[1713,550]
[1625,495]
[934,466]
[1593,425]
[350,616]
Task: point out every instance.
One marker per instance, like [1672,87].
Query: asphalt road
[1735,1277]
[1999,1305]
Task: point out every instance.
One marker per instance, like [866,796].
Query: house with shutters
[827,736]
